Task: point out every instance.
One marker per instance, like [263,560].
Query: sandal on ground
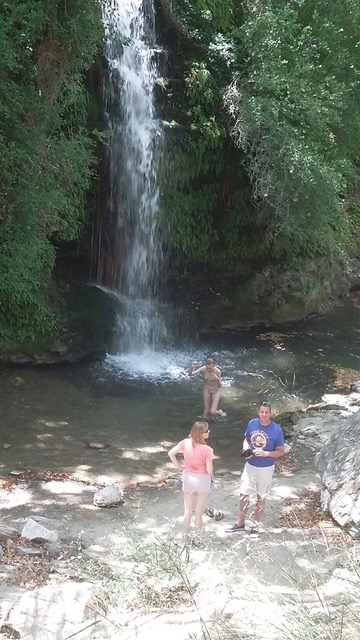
[233,528]
[210,512]
[218,515]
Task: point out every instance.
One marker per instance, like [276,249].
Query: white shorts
[256,480]
[200,482]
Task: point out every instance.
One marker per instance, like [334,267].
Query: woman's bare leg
[189,505]
[215,399]
[199,510]
[207,403]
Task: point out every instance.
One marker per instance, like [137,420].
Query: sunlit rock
[109,497]
[53,612]
[339,464]
[32,530]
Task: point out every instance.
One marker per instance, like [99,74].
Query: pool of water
[140,404]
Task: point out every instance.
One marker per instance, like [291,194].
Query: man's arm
[277,453]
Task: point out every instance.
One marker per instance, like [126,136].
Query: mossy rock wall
[273,297]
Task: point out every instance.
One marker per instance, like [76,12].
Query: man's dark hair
[265,403]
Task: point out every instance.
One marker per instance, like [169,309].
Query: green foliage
[241,238]
[46,155]
[189,223]
[282,79]
[206,183]
[354,225]
[197,161]
[293,103]
[26,262]
[201,17]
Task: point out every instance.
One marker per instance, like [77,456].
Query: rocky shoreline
[41,579]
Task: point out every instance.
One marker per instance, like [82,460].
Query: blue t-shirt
[267,438]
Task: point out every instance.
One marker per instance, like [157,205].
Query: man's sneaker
[222,414]
[254,532]
[235,527]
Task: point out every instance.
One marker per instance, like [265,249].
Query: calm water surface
[143,403]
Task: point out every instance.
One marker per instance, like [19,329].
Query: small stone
[28,551]
[96,445]
[18,472]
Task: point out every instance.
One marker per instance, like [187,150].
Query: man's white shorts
[256,480]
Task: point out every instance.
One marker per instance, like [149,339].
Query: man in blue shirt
[263,443]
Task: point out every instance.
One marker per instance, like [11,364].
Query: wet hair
[210,361]
[265,403]
[197,431]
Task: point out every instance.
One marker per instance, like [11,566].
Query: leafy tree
[280,78]
[46,159]
[206,190]
[293,101]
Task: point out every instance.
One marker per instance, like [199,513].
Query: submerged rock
[95,444]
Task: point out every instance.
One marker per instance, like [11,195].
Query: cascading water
[135,140]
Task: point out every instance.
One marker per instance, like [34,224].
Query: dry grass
[344,378]
[305,512]
[29,571]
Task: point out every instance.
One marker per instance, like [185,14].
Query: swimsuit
[210,390]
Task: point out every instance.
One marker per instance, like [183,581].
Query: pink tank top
[195,457]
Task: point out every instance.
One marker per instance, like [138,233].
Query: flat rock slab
[33,530]
[8,532]
[54,611]
[28,551]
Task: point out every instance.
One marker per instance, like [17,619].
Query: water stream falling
[135,141]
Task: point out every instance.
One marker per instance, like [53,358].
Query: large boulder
[339,465]
[66,610]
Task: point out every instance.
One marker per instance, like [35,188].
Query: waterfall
[134,147]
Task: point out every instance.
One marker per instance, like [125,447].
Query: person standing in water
[212,388]
[197,475]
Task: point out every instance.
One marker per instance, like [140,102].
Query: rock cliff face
[271,296]
[87,331]
[339,464]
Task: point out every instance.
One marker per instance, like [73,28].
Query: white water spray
[135,140]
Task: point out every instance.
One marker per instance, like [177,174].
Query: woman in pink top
[197,474]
